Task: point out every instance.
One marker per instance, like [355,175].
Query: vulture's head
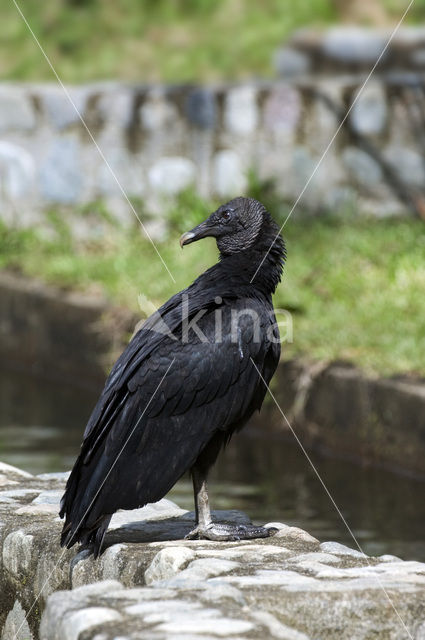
[236,226]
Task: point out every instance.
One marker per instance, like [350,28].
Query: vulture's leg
[206,528]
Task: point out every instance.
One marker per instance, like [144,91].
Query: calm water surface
[41,424]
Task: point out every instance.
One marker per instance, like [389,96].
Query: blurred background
[167,109]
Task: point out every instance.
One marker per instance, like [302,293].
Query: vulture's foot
[229,532]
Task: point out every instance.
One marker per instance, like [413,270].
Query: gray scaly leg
[209,530]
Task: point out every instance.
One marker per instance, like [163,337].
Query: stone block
[167,563]
[289,62]
[241,112]
[362,168]
[16,110]
[369,113]
[229,178]
[157,113]
[351,44]
[201,108]
[282,109]
[17,171]
[408,163]
[170,175]
[59,111]
[61,177]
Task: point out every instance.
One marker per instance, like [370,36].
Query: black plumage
[178,391]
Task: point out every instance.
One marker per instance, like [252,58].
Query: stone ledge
[339,409]
[151,583]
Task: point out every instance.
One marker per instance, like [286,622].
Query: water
[262,473]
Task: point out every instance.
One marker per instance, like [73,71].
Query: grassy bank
[166,40]
[354,286]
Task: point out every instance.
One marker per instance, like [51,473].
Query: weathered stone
[284,531]
[171,175]
[16,110]
[19,493]
[281,587]
[369,113]
[229,178]
[157,511]
[61,178]
[75,622]
[241,113]
[121,173]
[354,44]
[364,170]
[157,113]
[17,552]
[289,62]
[409,164]
[17,171]
[8,469]
[217,591]
[115,106]
[223,627]
[201,108]
[282,109]
[59,110]
[37,509]
[61,475]
[16,627]
[418,58]
[167,563]
[50,497]
[341,549]
[277,629]
[6,481]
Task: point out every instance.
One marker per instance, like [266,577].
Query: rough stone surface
[241,113]
[282,109]
[87,333]
[17,171]
[61,177]
[201,108]
[409,164]
[61,111]
[160,140]
[229,177]
[363,169]
[16,110]
[290,62]
[369,113]
[171,175]
[152,583]
[167,563]
[317,397]
[354,44]
[16,625]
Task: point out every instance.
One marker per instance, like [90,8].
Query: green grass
[150,40]
[160,40]
[355,287]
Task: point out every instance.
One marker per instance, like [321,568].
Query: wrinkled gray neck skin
[245,236]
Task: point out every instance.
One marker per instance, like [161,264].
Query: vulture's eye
[226,215]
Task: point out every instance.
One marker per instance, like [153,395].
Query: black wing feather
[209,387]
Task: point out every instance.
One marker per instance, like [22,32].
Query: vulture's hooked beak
[203,230]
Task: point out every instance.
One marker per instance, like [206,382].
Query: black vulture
[188,379]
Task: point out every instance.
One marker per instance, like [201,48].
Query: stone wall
[152,583]
[51,332]
[159,140]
